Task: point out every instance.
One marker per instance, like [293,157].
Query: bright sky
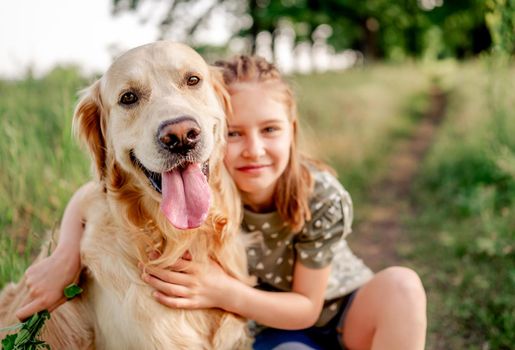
[42,33]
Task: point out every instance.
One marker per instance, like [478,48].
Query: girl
[312,292]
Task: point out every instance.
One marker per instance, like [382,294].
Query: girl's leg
[388,312]
[277,339]
[293,346]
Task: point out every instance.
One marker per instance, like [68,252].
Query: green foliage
[378,28]
[27,337]
[466,200]
[463,26]
[469,181]
[390,29]
[501,21]
[72,291]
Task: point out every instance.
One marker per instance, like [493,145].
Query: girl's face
[258,142]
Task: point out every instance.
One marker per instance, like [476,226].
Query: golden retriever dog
[154,125]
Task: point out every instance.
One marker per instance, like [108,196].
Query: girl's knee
[403,282]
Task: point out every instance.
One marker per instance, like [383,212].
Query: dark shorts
[327,337]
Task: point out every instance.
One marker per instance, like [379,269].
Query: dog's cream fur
[123,219]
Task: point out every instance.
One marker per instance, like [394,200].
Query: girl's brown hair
[296,183]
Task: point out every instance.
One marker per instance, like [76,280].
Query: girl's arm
[185,285]
[47,278]
[297,309]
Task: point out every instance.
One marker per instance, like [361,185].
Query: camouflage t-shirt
[272,248]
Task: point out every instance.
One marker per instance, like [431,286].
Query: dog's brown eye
[128,98]
[193,80]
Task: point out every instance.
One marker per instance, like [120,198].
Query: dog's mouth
[156,178]
[185,193]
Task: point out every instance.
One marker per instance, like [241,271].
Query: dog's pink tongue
[186,197]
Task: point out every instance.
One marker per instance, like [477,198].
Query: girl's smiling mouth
[252,167]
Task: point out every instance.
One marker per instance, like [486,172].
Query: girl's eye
[233,134]
[128,98]
[270,129]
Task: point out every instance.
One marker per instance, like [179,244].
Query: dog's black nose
[179,135]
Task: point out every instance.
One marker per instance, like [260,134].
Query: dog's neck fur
[150,230]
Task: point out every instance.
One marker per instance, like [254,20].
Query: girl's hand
[189,285]
[46,281]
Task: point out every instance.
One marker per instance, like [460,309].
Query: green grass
[41,163]
[352,119]
[465,230]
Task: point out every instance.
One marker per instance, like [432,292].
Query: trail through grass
[464,230]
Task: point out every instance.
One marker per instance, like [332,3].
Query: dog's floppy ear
[221,92]
[88,126]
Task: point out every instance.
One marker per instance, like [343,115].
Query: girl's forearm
[283,310]
[71,229]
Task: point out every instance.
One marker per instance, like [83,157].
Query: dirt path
[380,235]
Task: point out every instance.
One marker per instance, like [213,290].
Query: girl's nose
[254,147]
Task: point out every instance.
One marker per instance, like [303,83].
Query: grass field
[465,227]
[464,231]
[41,163]
[352,119]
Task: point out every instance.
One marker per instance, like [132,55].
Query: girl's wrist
[231,295]
[67,258]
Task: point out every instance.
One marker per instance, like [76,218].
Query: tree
[182,19]
[378,28]
[501,22]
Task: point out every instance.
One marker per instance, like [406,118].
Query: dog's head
[155,121]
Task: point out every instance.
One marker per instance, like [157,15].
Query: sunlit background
[299,35]
[411,102]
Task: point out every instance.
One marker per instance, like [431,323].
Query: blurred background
[411,101]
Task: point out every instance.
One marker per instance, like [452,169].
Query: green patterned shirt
[272,248]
